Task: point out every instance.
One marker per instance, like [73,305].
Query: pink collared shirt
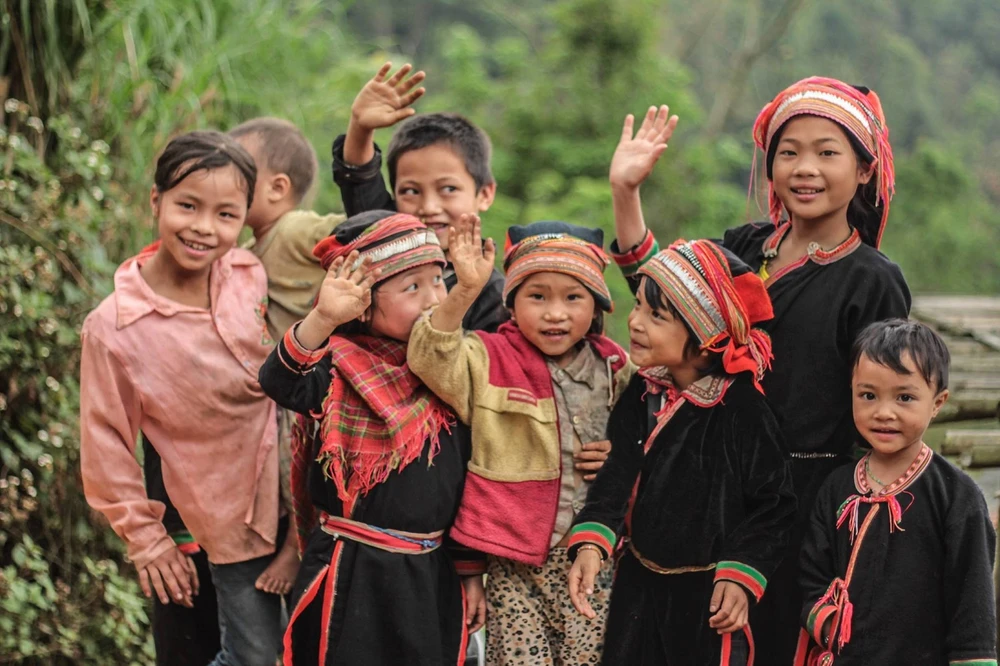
[186,377]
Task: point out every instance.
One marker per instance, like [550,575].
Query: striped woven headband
[394,244]
[558,253]
[685,286]
[825,103]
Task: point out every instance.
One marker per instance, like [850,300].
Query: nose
[430,204]
[554,312]
[203,223]
[805,165]
[431,299]
[635,323]
[884,411]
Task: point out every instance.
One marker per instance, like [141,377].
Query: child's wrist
[590,547]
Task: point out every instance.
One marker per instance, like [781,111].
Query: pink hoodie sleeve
[112,478]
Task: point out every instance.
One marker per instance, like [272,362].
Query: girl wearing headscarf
[830,176]
[697,482]
[378,461]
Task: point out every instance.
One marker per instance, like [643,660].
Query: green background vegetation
[94,88]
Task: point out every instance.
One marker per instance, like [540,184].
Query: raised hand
[384,102]
[470,257]
[636,156]
[346,291]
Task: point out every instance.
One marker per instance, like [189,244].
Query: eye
[657,315]
[828,153]
[787,152]
[449,189]
[186,205]
[536,297]
[437,279]
[410,287]
[866,395]
[574,297]
[228,214]
[407,191]
[906,397]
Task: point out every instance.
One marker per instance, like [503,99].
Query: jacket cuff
[972,662]
[742,574]
[632,259]
[344,172]
[185,542]
[595,534]
[297,358]
[817,620]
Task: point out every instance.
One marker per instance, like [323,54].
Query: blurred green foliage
[95,88]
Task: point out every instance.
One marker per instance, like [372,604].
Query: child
[695,444]
[897,563]
[283,239]
[439,170]
[829,163]
[537,394]
[385,467]
[197,304]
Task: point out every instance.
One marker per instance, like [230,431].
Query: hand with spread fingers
[470,257]
[636,156]
[345,295]
[383,102]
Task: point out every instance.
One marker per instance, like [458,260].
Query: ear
[279,187]
[154,200]
[485,196]
[939,400]
[513,318]
[865,173]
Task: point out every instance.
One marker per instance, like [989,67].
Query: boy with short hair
[897,564]
[439,169]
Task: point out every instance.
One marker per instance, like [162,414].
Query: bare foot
[280,573]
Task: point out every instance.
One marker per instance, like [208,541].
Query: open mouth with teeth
[197,247]
[807,191]
[555,333]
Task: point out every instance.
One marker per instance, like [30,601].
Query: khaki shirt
[582,393]
[293,273]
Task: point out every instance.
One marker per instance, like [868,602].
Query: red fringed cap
[859,112]
[720,298]
[395,243]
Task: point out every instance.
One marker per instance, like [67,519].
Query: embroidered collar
[816,253]
[706,392]
[912,473]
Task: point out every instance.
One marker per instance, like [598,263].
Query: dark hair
[468,141]
[862,213]
[203,151]
[657,300]
[283,149]
[596,324]
[885,342]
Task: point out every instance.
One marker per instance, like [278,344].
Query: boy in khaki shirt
[283,240]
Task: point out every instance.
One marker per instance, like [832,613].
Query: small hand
[383,103]
[582,575]
[731,607]
[470,257]
[173,577]
[591,458]
[346,291]
[475,603]
[636,156]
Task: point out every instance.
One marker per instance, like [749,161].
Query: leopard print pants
[531,620]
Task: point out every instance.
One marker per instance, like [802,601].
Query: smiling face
[657,336]
[433,184]
[200,218]
[816,171]
[892,410]
[554,312]
[400,300]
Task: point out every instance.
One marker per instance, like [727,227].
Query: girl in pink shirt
[174,353]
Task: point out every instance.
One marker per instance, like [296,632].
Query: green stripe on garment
[973,662]
[745,569]
[182,537]
[597,528]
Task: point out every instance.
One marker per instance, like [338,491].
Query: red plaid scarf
[375,419]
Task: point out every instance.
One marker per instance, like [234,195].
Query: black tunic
[388,608]
[362,188]
[714,488]
[820,307]
[922,593]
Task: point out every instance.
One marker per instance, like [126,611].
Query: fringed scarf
[375,419]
